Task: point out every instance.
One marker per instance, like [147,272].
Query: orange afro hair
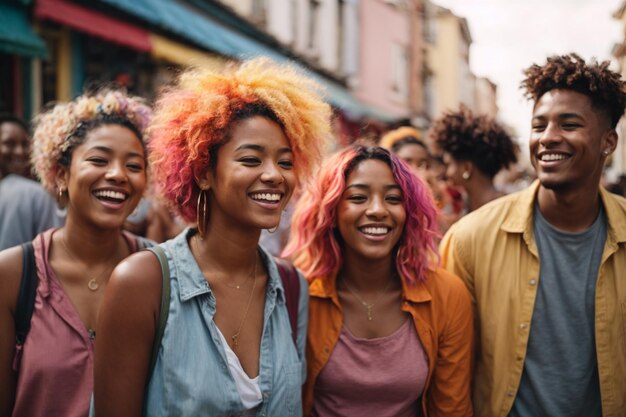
[194,117]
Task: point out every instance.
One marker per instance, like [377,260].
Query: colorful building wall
[383,77]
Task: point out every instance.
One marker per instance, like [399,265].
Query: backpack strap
[291,285]
[163,312]
[26,297]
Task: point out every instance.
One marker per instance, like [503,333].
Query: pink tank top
[373,377]
[55,365]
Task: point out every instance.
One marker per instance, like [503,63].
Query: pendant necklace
[93,284]
[235,337]
[368,306]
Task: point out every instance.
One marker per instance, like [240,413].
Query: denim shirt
[191,375]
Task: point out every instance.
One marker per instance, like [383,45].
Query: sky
[510,35]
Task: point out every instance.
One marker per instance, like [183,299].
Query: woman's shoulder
[444,284]
[139,272]
[10,274]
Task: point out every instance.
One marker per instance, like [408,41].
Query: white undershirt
[249,390]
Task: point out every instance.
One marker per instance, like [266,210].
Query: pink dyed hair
[313,245]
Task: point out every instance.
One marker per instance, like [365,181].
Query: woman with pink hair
[228,149]
[390,333]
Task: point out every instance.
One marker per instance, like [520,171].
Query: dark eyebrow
[260,148]
[109,151]
[571,115]
[365,186]
[250,146]
[561,116]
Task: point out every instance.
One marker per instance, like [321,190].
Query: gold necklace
[368,306]
[93,282]
[235,337]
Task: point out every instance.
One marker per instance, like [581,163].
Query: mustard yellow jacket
[493,250]
[442,314]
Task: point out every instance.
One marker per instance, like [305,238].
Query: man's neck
[570,211]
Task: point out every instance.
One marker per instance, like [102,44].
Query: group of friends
[518,310]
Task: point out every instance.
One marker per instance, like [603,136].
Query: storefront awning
[16,34]
[93,23]
[182,21]
[177,53]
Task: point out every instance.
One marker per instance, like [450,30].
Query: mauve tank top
[373,377]
[55,365]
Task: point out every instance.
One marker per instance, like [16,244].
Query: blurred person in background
[14,146]
[90,153]
[26,209]
[474,149]
[153,220]
[406,144]
[390,333]
[228,149]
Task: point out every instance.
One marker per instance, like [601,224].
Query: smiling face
[568,141]
[371,214]
[14,148]
[106,177]
[254,176]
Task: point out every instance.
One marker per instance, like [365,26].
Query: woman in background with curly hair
[475,149]
[390,333]
[227,150]
[89,153]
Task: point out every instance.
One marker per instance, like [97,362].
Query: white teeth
[552,157]
[375,230]
[266,197]
[115,195]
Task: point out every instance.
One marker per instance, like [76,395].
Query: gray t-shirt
[26,209]
[560,375]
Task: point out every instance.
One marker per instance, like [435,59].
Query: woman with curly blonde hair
[90,153]
[227,151]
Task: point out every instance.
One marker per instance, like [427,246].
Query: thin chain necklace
[237,286]
[93,284]
[368,306]
[235,337]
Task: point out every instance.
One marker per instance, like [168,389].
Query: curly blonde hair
[63,127]
[194,117]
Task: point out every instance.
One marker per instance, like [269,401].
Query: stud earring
[466,175]
[606,152]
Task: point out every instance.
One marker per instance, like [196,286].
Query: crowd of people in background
[141,270]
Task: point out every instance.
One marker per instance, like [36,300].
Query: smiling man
[546,267]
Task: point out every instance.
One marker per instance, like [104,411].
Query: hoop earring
[273,229]
[201,213]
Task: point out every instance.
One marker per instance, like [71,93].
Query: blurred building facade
[381,62]
[448,60]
